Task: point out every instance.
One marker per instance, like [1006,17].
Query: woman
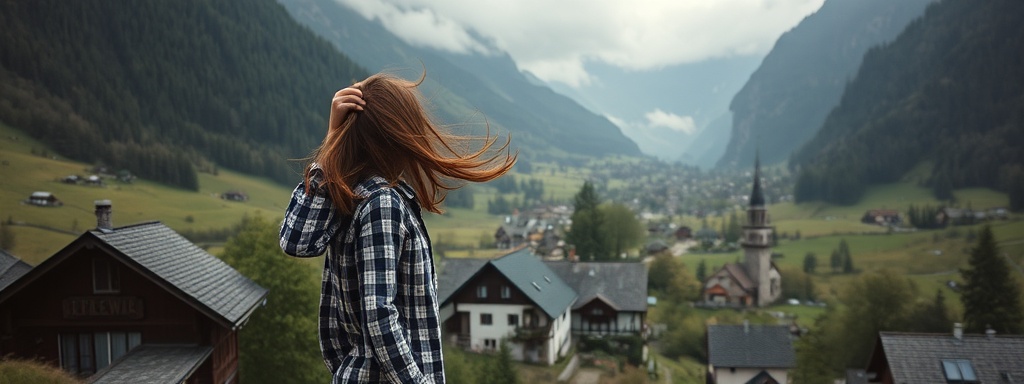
[381,161]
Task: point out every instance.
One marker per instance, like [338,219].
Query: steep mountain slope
[949,91]
[787,98]
[544,124]
[163,88]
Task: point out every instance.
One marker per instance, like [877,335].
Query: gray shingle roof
[522,269]
[916,358]
[537,281]
[11,268]
[622,285]
[455,273]
[762,346]
[154,364]
[196,273]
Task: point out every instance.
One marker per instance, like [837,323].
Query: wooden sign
[107,307]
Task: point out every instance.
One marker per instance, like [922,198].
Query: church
[756,281]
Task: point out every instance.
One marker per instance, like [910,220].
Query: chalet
[946,358]
[234,196]
[138,303]
[883,217]
[515,298]
[44,199]
[684,233]
[748,353]
[612,296]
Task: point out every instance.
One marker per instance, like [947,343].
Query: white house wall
[499,327]
[562,327]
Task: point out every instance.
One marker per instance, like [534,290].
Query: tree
[6,235]
[931,317]
[501,369]
[836,261]
[810,262]
[702,271]
[848,264]
[279,343]
[457,369]
[587,222]
[622,230]
[991,296]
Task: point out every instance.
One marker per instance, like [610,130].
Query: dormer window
[506,292]
[105,277]
[959,371]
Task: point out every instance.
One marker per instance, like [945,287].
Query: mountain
[544,125]
[786,99]
[949,92]
[163,89]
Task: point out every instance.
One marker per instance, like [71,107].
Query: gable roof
[174,263]
[524,270]
[11,268]
[917,357]
[537,281]
[739,273]
[154,363]
[750,346]
[622,285]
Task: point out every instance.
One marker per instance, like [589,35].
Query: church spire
[757,196]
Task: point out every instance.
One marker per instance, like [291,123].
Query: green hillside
[948,91]
[166,88]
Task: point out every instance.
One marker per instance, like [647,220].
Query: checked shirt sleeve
[307,227]
[382,232]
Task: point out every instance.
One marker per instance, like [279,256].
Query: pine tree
[587,222]
[810,262]
[991,296]
[702,271]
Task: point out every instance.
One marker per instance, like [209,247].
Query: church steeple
[757,196]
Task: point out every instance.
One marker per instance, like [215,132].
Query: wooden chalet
[946,358]
[612,297]
[133,304]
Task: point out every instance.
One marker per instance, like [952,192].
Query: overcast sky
[555,39]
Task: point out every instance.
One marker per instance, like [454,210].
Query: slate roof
[154,364]
[524,270]
[537,281]
[11,268]
[737,271]
[621,285]
[917,358]
[761,346]
[188,268]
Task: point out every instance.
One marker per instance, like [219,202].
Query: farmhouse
[138,303]
[756,281]
[515,296]
[748,353]
[44,199]
[884,217]
[612,296]
[234,196]
[946,358]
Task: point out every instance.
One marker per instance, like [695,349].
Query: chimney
[958,331]
[103,211]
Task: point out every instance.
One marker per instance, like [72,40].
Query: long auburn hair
[394,137]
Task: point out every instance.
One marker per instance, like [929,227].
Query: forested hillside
[166,88]
[544,125]
[949,91]
[786,99]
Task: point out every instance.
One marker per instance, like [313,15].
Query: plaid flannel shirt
[379,317]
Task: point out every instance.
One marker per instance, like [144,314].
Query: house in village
[744,354]
[515,298]
[536,232]
[612,297]
[235,196]
[883,217]
[683,233]
[138,303]
[44,199]
[946,358]
[756,281]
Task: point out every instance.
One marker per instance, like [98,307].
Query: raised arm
[382,231]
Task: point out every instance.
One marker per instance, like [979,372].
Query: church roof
[757,195]
[739,273]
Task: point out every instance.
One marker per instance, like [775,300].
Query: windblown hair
[394,137]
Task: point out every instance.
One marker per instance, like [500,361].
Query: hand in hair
[345,101]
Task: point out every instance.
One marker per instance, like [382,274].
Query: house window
[513,320]
[959,371]
[491,344]
[597,312]
[506,292]
[86,353]
[105,277]
[481,292]
[485,319]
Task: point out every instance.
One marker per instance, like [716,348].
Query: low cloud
[659,118]
[556,40]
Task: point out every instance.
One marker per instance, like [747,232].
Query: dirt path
[586,376]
